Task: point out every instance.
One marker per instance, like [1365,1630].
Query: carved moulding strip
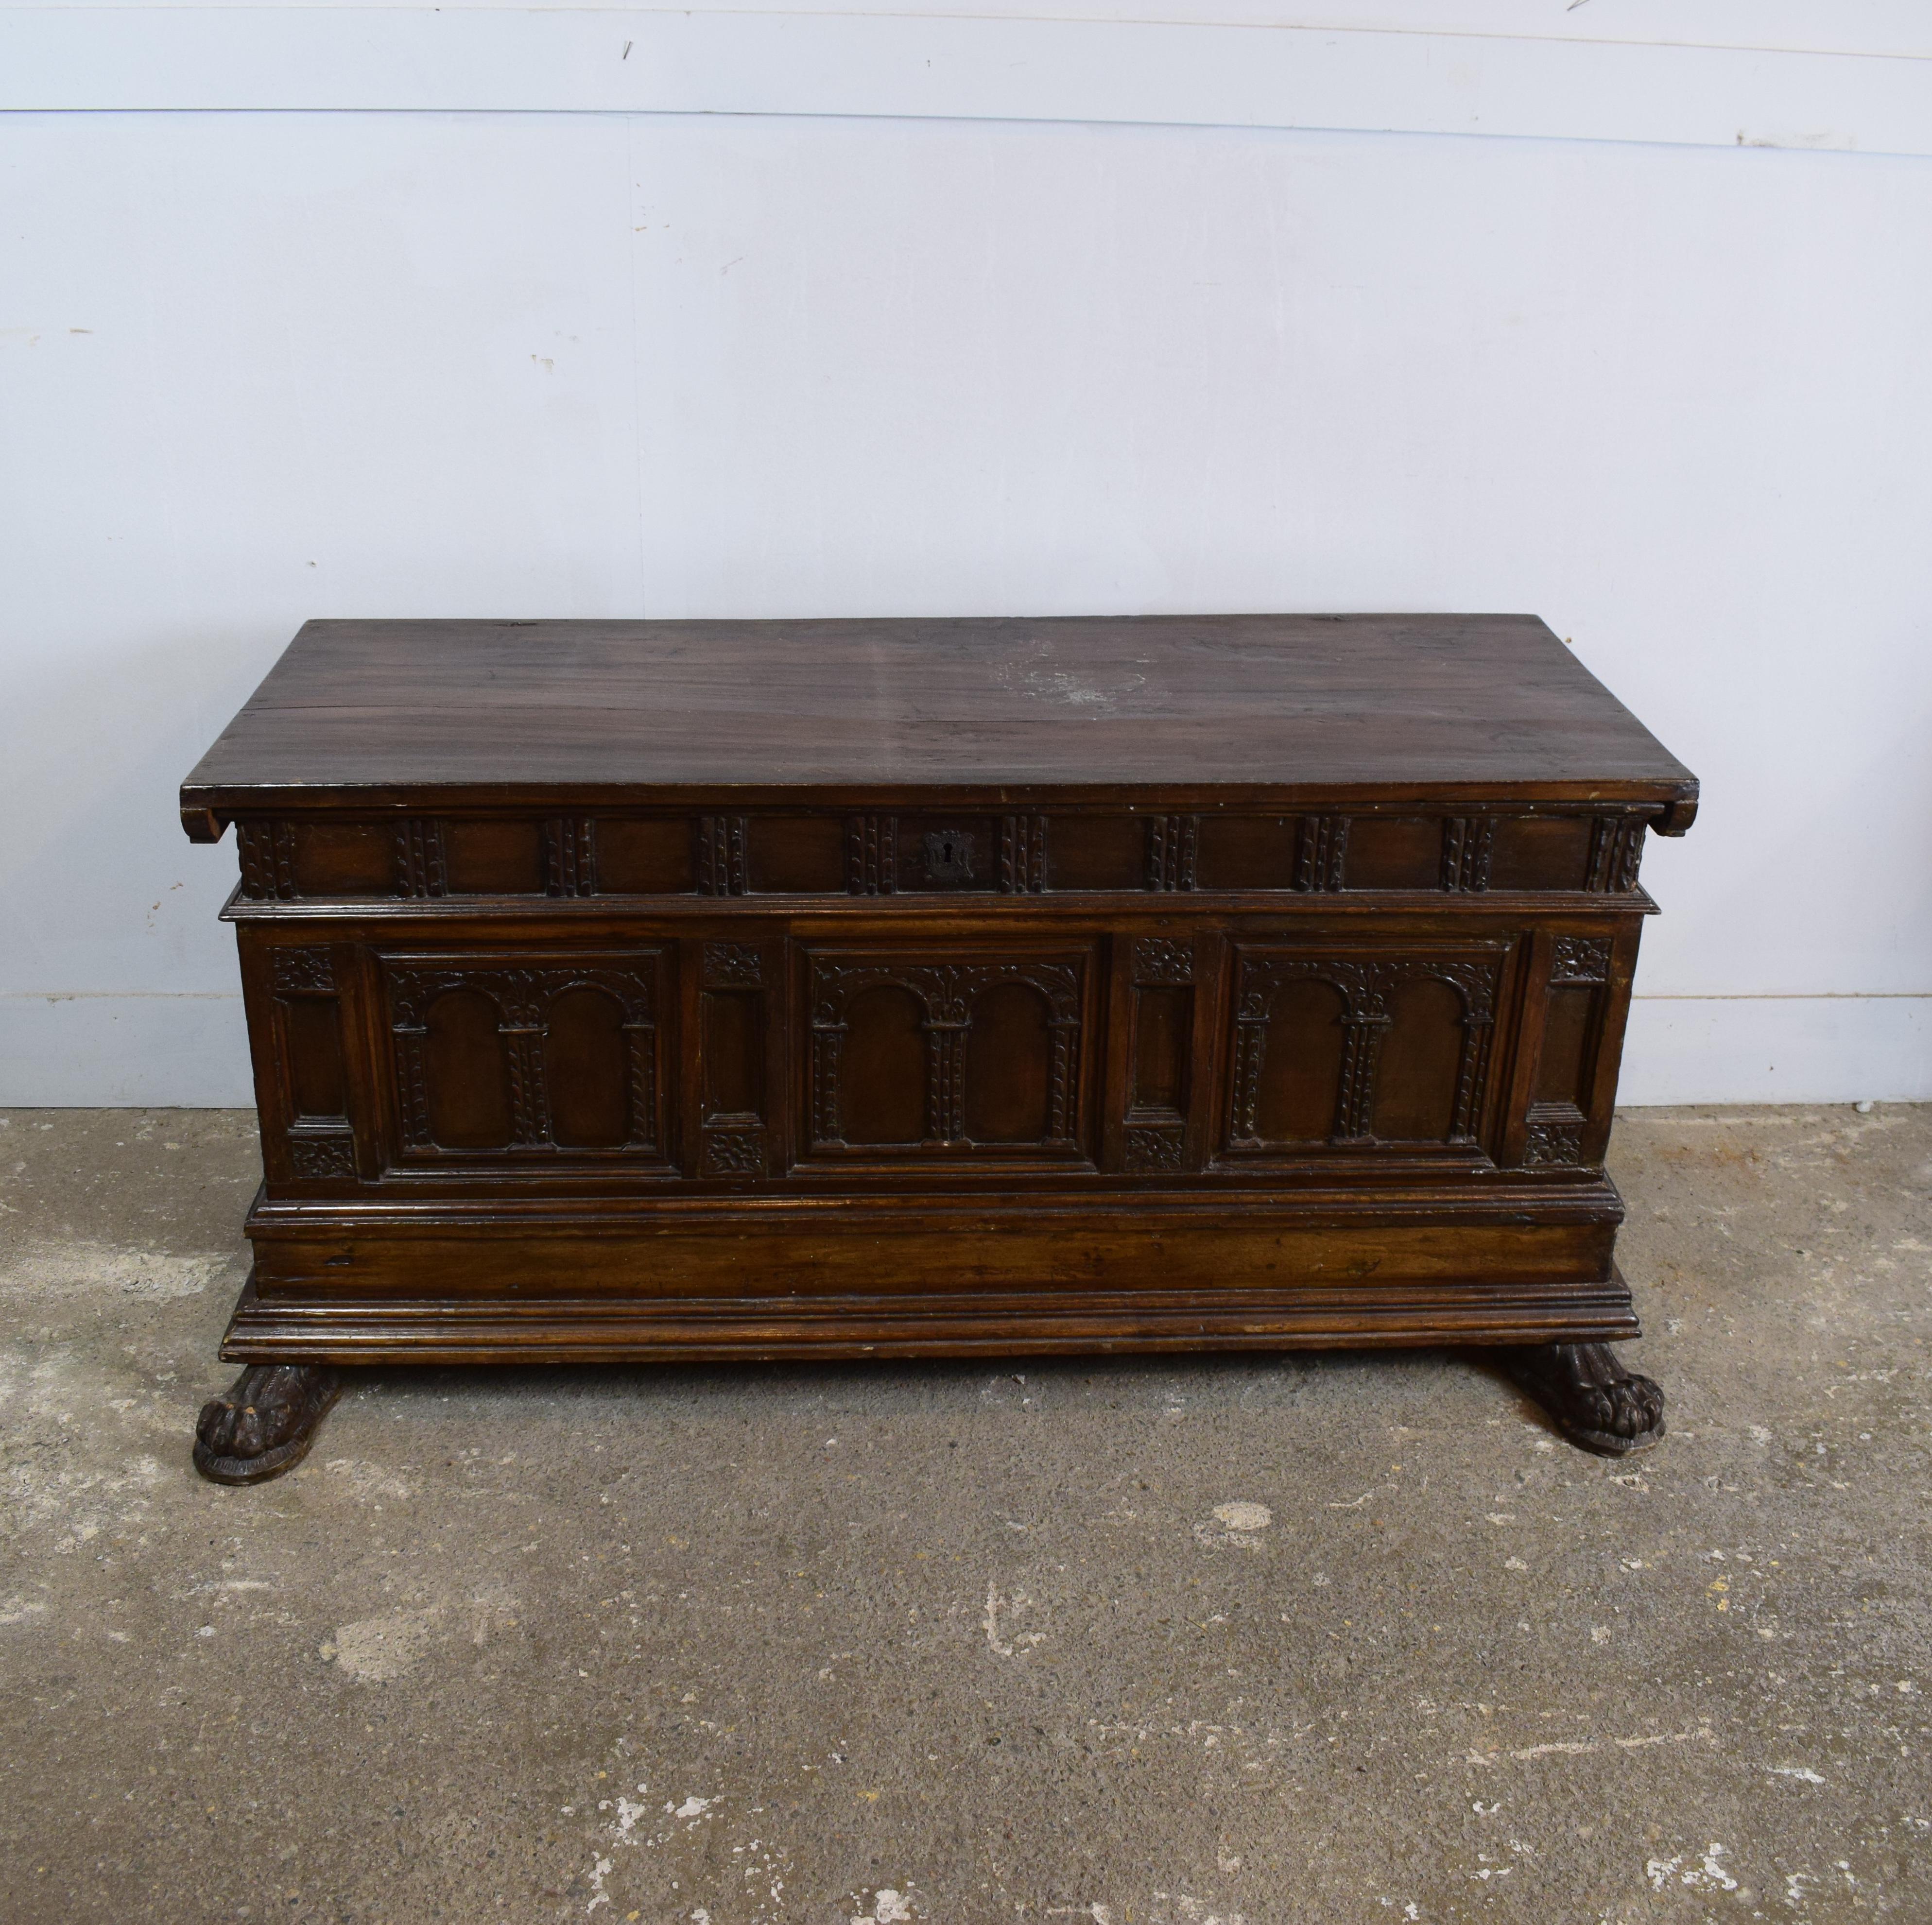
[1022,854]
[1159,963]
[946,992]
[1321,848]
[267,850]
[1616,853]
[1171,845]
[523,995]
[1467,842]
[420,869]
[570,856]
[872,855]
[721,855]
[1366,986]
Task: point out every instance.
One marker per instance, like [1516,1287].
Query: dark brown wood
[643,990]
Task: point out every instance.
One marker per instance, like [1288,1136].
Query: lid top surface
[1148,701]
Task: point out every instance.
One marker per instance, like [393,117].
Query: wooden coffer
[652,989]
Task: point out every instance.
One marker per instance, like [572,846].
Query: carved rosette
[523,996]
[321,1154]
[1160,963]
[946,992]
[733,966]
[1580,959]
[1551,1141]
[302,972]
[1321,850]
[1365,987]
[1155,1146]
[731,1152]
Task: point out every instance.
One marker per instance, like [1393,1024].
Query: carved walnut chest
[652,989]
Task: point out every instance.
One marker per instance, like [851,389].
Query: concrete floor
[1272,1639]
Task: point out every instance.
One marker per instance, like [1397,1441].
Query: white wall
[457,359]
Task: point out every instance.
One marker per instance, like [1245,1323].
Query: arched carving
[1366,985]
[520,997]
[947,995]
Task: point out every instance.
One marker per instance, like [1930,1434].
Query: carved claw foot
[1593,1401]
[265,1423]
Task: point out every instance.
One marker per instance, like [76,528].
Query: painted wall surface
[260,365]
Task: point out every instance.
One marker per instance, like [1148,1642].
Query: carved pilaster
[721,855]
[1171,846]
[1321,848]
[1022,854]
[1616,853]
[420,869]
[267,851]
[872,855]
[570,857]
[1467,841]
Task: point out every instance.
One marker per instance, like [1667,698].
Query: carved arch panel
[1337,1051]
[913,1058]
[530,1058]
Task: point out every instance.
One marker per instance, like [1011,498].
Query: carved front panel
[1336,1049]
[918,1055]
[311,1075]
[536,1057]
[1557,1123]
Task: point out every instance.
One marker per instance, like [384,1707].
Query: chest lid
[1187,711]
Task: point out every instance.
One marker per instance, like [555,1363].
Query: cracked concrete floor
[1263,1640]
